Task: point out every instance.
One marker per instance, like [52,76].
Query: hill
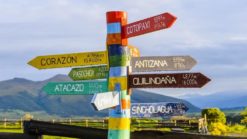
[27,95]
[221,99]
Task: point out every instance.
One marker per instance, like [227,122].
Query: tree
[244,115]
[214,115]
[216,121]
[218,129]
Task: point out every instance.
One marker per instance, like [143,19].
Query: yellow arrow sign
[69,60]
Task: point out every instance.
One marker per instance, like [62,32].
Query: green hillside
[26,95]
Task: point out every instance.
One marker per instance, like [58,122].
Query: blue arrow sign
[162,109]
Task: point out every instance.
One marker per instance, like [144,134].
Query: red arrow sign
[175,80]
[151,24]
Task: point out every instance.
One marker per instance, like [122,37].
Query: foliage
[237,129]
[244,121]
[214,115]
[244,114]
[233,119]
[218,128]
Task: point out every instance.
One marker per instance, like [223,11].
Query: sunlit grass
[11,130]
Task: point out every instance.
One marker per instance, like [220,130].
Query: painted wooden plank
[69,60]
[117,71]
[113,28]
[173,80]
[162,63]
[75,88]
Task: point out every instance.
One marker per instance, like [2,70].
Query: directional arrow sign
[75,88]
[89,73]
[175,80]
[105,100]
[162,109]
[151,24]
[69,60]
[162,63]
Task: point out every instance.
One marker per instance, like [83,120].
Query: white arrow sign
[106,100]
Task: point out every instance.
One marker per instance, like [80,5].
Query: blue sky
[212,32]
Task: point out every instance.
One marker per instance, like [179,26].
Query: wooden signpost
[89,73]
[105,100]
[161,109]
[75,88]
[162,63]
[69,60]
[114,64]
[173,80]
[148,25]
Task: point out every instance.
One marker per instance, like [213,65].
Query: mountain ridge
[228,99]
[27,95]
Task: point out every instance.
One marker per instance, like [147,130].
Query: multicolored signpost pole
[118,57]
[118,53]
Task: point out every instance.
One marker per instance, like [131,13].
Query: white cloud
[212,32]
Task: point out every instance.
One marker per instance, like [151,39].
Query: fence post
[86,123]
[21,123]
[5,123]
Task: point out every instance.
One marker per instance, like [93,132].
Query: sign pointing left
[69,60]
[75,88]
[105,100]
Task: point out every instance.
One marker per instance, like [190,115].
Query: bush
[244,121]
[214,115]
[237,129]
[218,128]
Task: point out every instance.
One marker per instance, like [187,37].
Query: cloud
[214,33]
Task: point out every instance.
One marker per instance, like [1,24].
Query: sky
[212,32]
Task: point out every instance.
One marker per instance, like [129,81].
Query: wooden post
[5,123]
[86,122]
[21,123]
[119,57]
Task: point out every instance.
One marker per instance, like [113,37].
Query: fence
[137,124]
[36,129]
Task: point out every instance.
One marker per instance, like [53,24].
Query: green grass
[11,130]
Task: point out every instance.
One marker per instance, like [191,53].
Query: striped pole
[119,57]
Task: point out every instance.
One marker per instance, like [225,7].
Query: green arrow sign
[89,73]
[75,88]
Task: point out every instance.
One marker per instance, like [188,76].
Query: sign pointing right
[160,109]
[148,25]
[162,63]
[174,80]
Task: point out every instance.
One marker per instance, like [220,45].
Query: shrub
[218,128]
